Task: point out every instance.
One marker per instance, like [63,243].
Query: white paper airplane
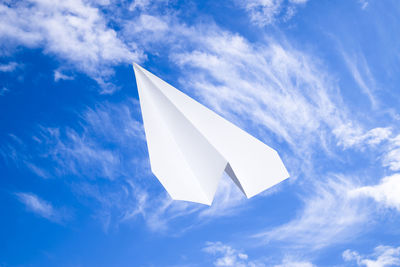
[190,146]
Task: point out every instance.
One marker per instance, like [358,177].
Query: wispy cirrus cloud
[41,207]
[330,215]
[105,158]
[362,75]
[270,84]
[88,149]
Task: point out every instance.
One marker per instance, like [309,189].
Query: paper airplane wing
[190,146]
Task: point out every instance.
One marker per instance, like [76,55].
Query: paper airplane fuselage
[190,146]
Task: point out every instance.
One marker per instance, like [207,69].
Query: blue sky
[316,80]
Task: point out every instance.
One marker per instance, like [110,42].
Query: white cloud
[58,75]
[228,256]
[350,135]
[265,12]
[386,192]
[149,31]
[9,67]
[86,150]
[291,263]
[330,215]
[383,256]
[73,30]
[150,23]
[146,5]
[139,4]
[40,207]
[392,157]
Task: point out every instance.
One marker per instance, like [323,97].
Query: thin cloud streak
[359,69]
[330,215]
[41,207]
